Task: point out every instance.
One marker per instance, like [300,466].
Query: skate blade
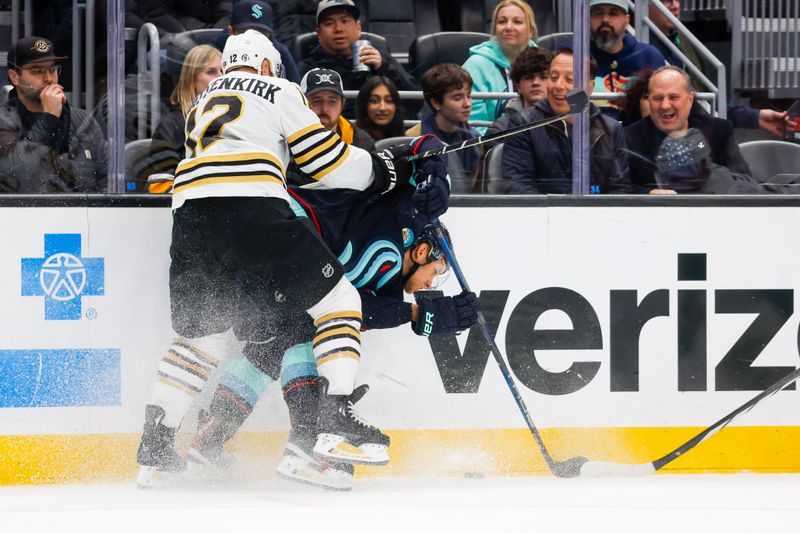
[150,477]
[334,448]
[298,470]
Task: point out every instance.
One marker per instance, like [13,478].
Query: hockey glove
[446,314]
[432,197]
[390,169]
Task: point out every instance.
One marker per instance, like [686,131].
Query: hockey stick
[569,468]
[576,99]
[603,468]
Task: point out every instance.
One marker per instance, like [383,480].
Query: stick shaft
[725,420]
[497,355]
[477,141]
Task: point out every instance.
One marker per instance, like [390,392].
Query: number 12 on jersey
[217,112]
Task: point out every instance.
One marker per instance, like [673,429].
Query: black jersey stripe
[336,161]
[233,164]
[315,129]
[311,147]
[232,176]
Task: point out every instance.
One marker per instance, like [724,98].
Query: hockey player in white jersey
[238,251]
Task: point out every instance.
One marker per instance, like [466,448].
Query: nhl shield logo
[327,270]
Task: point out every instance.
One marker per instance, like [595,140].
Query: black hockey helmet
[413,237]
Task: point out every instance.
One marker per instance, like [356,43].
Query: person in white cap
[240,254]
[618,54]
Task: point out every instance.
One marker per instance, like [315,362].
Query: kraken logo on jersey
[377,265]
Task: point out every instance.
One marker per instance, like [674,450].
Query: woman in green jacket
[489,63]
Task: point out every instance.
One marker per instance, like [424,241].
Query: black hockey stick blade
[603,468]
[569,468]
[577,100]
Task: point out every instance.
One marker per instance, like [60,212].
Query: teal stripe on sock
[298,361]
[243,378]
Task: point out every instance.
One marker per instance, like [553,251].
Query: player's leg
[199,288]
[341,435]
[301,391]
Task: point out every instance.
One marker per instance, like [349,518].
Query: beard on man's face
[605,38]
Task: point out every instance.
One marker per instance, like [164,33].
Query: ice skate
[301,467]
[159,461]
[344,437]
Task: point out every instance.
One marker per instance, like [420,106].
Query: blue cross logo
[62,276]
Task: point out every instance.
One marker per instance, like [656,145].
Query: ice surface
[660,503]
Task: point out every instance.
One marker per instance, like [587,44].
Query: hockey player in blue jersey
[387,247]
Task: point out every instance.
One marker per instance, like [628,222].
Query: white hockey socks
[183,372]
[337,342]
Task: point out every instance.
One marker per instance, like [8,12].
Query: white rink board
[588,250]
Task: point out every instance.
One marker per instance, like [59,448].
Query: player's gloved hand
[432,196]
[446,314]
[390,168]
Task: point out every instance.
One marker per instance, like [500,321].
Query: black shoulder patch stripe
[315,145]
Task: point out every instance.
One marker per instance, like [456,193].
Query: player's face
[327,105]
[425,276]
[670,101]
[532,88]
[512,30]
[381,107]
[607,26]
[559,83]
[337,32]
[211,70]
[456,105]
[33,77]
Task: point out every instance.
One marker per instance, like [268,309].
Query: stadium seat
[476,15]
[302,45]
[553,41]
[444,47]
[768,159]
[180,44]
[400,22]
[493,170]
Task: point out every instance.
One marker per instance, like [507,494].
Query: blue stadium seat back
[443,47]
[767,159]
[136,159]
[302,45]
[554,41]
[389,141]
[476,15]
[401,21]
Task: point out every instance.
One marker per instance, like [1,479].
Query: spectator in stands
[671,97]
[46,146]
[377,111]
[338,28]
[619,55]
[158,12]
[202,64]
[257,15]
[513,30]
[635,106]
[775,122]
[529,76]
[447,88]
[540,161]
[325,94]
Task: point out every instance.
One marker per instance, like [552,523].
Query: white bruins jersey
[241,133]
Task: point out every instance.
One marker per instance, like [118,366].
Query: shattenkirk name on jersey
[251,85]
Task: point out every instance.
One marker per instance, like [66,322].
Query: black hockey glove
[432,166]
[446,314]
[390,168]
[432,197]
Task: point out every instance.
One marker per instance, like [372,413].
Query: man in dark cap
[257,15]
[45,145]
[338,28]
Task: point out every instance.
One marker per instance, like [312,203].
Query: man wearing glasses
[45,145]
